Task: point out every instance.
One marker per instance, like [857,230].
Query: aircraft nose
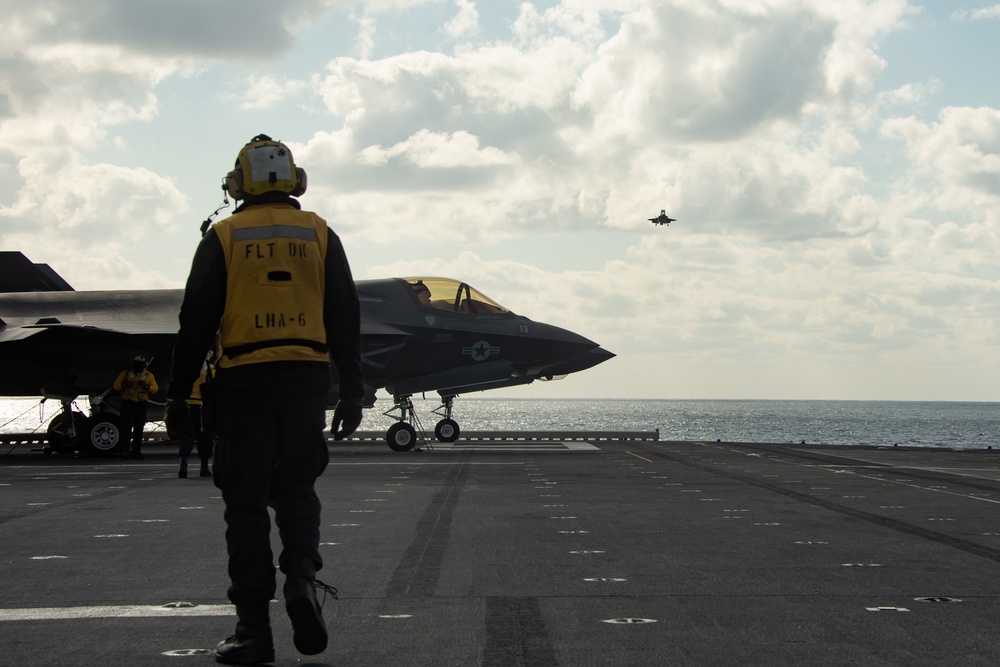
[563,343]
[593,357]
[552,347]
[582,362]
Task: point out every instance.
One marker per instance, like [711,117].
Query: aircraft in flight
[662,219]
[418,335]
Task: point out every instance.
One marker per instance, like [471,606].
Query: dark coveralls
[196,439]
[133,421]
[205,442]
[270,417]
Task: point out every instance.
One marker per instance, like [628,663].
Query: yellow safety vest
[133,385]
[195,398]
[275,258]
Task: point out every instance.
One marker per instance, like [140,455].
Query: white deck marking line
[925,488]
[842,470]
[522,446]
[118,469]
[422,464]
[122,611]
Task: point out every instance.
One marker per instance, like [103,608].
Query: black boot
[183,472]
[309,629]
[205,472]
[252,643]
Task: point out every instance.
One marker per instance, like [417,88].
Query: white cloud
[61,194]
[465,23]
[265,92]
[86,219]
[438,150]
[958,158]
[992,12]
[639,102]
[365,41]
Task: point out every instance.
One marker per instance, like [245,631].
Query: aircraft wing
[69,360]
[19,333]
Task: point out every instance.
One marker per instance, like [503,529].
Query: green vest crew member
[135,383]
[270,287]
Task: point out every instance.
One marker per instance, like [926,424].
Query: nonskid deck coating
[629,553]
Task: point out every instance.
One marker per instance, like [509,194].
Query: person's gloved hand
[177,419]
[346,419]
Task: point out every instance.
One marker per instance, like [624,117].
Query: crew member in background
[135,383]
[274,283]
[196,435]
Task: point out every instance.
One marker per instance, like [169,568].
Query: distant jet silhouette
[662,219]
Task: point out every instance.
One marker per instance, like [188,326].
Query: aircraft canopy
[450,294]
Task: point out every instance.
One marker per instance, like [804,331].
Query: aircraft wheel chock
[102,434]
[446,430]
[401,437]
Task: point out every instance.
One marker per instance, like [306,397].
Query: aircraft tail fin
[19,274]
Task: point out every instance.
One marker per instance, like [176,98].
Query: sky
[834,169]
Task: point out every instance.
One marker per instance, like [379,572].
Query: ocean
[957,425]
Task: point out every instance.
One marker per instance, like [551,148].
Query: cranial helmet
[263,166]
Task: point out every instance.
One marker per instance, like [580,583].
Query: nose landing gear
[447,429]
[402,436]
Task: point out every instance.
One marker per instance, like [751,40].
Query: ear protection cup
[300,182]
[234,184]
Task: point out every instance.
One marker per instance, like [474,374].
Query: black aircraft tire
[401,437]
[102,434]
[58,432]
[447,430]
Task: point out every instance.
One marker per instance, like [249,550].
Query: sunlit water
[929,424]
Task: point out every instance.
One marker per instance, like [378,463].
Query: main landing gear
[402,436]
[71,431]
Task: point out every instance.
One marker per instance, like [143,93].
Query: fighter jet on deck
[417,335]
[662,219]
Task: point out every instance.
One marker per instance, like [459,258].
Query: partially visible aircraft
[662,219]
[417,335]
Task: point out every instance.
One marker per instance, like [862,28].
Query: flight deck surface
[529,553]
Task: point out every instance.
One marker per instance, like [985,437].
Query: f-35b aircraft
[417,335]
[662,219]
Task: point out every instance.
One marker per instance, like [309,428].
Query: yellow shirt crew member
[136,384]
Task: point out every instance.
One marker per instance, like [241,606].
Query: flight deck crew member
[274,283]
[135,383]
[196,436]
